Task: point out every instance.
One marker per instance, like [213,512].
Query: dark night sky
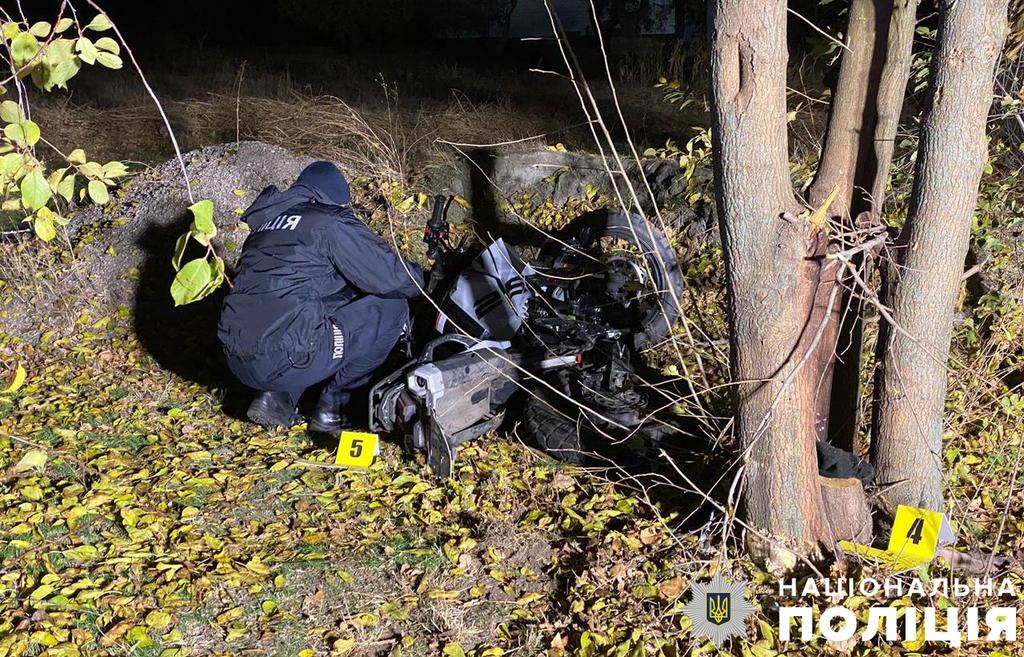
[347,25]
[165,33]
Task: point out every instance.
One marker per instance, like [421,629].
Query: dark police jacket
[301,262]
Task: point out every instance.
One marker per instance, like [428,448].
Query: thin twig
[156,101]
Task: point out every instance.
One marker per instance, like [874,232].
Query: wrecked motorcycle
[556,336]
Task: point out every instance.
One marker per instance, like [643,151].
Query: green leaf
[12,164]
[86,50]
[25,133]
[216,277]
[43,225]
[108,44]
[63,25]
[190,281]
[179,251]
[40,29]
[77,156]
[100,24]
[98,192]
[109,59]
[11,30]
[60,65]
[114,169]
[10,112]
[66,187]
[55,177]
[23,48]
[35,191]
[91,169]
[138,637]
[203,228]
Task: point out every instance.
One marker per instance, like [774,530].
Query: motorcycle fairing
[489,299]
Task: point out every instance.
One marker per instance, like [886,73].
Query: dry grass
[33,275]
[329,105]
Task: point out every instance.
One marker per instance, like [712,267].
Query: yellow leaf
[33,460]
[41,592]
[257,566]
[82,553]
[817,220]
[527,598]
[268,607]
[45,638]
[32,493]
[19,380]
[453,650]
[406,205]
[158,620]
[236,631]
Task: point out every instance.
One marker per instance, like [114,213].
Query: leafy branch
[200,277]
[31,189]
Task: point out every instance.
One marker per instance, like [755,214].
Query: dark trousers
[370,327]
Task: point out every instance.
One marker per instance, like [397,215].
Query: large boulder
[494,179]
[122,253]
[140,225]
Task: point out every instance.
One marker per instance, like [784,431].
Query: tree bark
[855,159]
[774,306]
[847,510]
[932,246]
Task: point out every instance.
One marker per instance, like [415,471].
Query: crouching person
[317,296]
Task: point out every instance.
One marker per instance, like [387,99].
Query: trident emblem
[718,608]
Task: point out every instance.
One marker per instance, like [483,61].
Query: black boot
[272,410]
[327,418]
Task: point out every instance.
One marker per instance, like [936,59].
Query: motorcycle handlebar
[436,231]
[438,217]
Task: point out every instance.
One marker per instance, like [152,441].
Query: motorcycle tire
[552,432]
[589,228]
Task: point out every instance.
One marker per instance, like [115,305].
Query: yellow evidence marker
[916,535]
[357,450]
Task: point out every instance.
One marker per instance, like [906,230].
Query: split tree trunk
[855,160]
[774,309]
[911,391]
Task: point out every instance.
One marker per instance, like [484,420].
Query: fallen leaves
[672,589]
[33,460]
[143,520]
[17,381]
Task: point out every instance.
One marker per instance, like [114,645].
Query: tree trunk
[775,310]
[855,160]
[847,510]
[910,395]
